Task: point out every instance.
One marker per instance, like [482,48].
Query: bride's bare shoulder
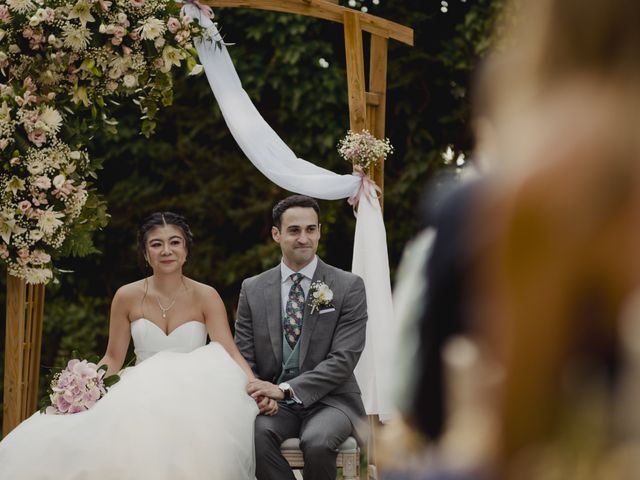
[202,290]
[131,291]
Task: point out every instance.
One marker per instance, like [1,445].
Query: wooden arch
[25,303]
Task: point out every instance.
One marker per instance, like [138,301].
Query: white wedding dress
[181,413]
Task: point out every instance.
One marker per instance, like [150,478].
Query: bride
[181,413]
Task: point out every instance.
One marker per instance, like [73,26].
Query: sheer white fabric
[274,159]
[183,413]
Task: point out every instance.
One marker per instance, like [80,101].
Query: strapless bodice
[149,339]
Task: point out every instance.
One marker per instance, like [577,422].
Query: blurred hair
[551,40]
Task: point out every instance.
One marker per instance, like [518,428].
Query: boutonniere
[320,296]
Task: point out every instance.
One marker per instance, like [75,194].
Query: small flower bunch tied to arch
[363,150]
[65,65]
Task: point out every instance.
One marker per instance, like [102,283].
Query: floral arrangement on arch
[362,149]
[64,68]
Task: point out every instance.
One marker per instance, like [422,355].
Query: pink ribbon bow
[366,184]
[206,10]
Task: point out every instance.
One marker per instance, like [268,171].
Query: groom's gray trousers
[321,430]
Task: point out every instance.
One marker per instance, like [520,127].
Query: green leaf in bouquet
[111,380]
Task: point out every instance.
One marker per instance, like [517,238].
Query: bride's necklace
[164,310]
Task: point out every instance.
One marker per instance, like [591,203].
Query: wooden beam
[355,71]
[376,112]
[13,354]
[327,10]
[372,98]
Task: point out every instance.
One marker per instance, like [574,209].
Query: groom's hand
[267,406]
[261,388]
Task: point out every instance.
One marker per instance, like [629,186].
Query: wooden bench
[348,456]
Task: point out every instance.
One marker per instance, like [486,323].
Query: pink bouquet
[78,387]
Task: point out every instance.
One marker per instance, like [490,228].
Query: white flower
[76,38]
[80,95]
[171,56]
[36,235]
[159,43]
[5,112]
[15,184]
[197,69]
[51,118]
[117,66]
[43,182]
[37,275]
[9,227]
[20,6]
[82,11]
[323,294]
[448,155]
[320,295]
[36,167]
[130,81]
[151,29]
[50,221]
[59,180]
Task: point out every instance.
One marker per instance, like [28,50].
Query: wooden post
[25,308]
[376,104]
[355,71]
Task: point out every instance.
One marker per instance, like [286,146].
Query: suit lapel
[272,299]
[309,319]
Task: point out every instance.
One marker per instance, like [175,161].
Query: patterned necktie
[293,310]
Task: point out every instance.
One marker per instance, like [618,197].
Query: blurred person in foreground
[565,206]
[441,380]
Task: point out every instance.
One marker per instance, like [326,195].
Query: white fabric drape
[274,159]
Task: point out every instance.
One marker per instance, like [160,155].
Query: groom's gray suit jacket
[330,343]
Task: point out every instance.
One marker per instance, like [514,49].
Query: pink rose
[4,143]
[119,31]
[40,256]
[116,40]
[135,36]
[27,33]
[24,205]
[173,25]
[136,3]
[4,251]
[38,137]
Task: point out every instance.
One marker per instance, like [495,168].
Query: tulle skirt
[175,416]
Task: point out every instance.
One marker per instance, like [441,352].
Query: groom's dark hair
[290,202]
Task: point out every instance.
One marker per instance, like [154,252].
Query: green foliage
[192,164]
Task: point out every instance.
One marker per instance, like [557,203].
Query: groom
[301,326]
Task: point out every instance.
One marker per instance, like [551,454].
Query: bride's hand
[267,406]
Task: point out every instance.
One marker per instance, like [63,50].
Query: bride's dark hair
[161,219]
